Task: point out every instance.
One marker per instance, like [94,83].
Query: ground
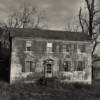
[53,90]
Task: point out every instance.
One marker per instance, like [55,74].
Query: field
[53,90]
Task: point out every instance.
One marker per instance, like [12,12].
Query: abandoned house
[51,54]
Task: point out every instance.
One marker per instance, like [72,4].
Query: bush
[54,90]
[42,81]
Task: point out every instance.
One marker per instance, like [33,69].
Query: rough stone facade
[69,61]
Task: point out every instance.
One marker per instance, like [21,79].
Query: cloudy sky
[58,12]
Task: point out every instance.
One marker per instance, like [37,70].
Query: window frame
[68,67]
[57,48]
[80,67]
[68,47]
[82,48]
[28,46]
[30,66]
[49,47]
[49,69]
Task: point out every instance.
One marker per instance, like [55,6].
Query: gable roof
[49,34]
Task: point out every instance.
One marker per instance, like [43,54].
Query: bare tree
[20,18]
[40,20]
[72,25]
[26,17]
[90,20]
[5,42]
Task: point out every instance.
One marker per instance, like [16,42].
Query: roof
[49,34]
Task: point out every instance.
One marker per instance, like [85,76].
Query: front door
[48,68]
[48,71]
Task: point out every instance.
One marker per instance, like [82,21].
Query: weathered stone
[39,54]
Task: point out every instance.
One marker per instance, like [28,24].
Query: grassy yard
[52,91]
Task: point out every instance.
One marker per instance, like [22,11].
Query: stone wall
[39,54]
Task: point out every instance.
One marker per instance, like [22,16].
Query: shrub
[42,81]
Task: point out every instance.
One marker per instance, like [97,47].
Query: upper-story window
[66,47]
[28,45]
[57,48]
[75,47]
[82,48]
[49,47]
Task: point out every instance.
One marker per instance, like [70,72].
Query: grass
[52,91]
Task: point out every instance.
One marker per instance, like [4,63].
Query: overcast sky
[58,12]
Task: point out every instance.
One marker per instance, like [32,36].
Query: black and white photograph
[49,49]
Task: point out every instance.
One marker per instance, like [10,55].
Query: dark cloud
[57,11]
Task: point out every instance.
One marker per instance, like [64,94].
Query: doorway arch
[48,68]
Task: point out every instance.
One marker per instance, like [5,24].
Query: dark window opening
[68,47]
[80,66]
[28,48]
[49,69]
[67,65]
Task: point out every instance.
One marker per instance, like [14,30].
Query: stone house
[46,53]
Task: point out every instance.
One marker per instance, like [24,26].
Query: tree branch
[82,27]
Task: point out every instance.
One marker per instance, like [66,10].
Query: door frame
[46,63]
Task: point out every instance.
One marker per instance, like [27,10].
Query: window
[57,48]
[67,55]
[67,50]
[29,66]
[28,49]
[68,47]
[67,65]
[80,66]
[28,45]
[75,47]
[64,48]
[82,48]
[49,47]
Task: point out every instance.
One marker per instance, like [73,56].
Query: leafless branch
[80,19]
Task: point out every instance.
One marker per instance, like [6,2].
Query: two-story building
[48,53]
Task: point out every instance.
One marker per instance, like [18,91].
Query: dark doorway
[48,68]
